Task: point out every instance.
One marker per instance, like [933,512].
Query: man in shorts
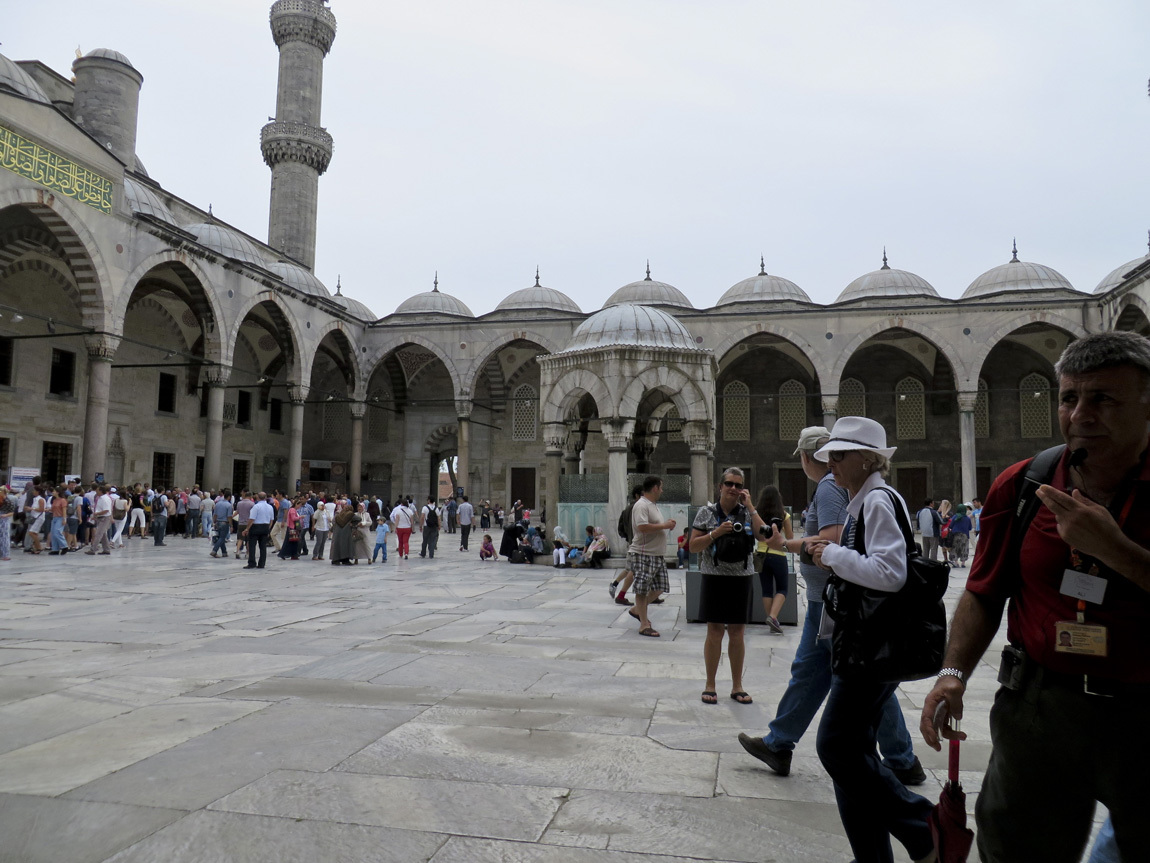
[645,554]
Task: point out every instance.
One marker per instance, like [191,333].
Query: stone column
[214,380]
[101,350]
[355,468]
[618,435]
[298,395]
[830,410]
[554,436]
[463,446]
[966,403]
[699,439]
[571,450]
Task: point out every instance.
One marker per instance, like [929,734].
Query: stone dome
[538,298]
[763,288]
[648,292]
[1116,276]
[227,241]
[434,302]
[1016,275]
[300,278]
[353,307]
[887,283]
[13,78]
[142,198]
[109,54]
[630,325]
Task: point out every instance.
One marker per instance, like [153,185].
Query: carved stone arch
[394,341]
[51,270]
[943,345]
[349,362]
[1127,313]
[816,358]
[283,318]
[434,442]
[20,240]
[1052,319]
[81,251]
[678,386]
[475,369]
[148,304]
[569,389]
[195,289]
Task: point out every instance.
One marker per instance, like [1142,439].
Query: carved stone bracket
[296,142]
[303,21]
[358,409]
[830,405]
[554,437]
[101,346]
[297,393]
[967,402]
[700,436]
[463,408]
[215,376]
[617,433]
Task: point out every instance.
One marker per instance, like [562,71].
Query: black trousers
[464,530]
[258,537]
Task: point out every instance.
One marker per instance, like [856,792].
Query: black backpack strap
[900,517]
[1040,470]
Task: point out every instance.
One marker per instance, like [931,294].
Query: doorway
[522,486]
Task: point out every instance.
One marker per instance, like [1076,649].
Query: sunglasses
[729,484]
[838,455]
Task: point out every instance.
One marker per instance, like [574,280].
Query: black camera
[768,529]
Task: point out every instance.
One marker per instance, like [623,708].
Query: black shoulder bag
[889,637]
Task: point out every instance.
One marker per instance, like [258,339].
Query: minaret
[294,145]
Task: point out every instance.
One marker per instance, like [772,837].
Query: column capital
[700,436]
[358,409]
[101,346]
[554,438]
[830,405]
[617,432]
[297,393]
[967,401]
[215,376]
[463,408]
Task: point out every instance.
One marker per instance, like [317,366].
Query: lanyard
[1087,564]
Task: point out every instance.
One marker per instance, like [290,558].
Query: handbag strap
[900,517]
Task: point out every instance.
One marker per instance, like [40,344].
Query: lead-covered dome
[227,241]
[15,79]
[763,288]
[630,325]
[648,292]
[434,302]
[1016,275]
[887,283]
[1118,275]
[142,198]
[353,307]
[109,54]
[538,298]
[300,278]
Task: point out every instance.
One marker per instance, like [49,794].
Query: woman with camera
[873,804]
[773,572]
[723,537]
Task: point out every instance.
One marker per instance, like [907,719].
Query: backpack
[432,519]
[120,506]
[945,531]
[624,524]
[517,556]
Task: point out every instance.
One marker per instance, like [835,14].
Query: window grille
[910,409]
[982,411]
[1034,406]
[524,413]
[736,412]
[336,419]
[674,426]
[852,398]
[792,410]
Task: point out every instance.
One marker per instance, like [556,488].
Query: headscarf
[344,515]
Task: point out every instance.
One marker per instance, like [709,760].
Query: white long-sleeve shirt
[883,567]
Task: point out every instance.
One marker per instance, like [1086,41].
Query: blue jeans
[223,531]
[379,546]
[206,518]
[58,541]
[192,523]
[873,804]
[1105,847]
[809,685]
[159,529]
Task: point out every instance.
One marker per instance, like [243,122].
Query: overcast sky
[481,139]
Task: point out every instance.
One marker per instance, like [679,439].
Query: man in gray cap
[811,670]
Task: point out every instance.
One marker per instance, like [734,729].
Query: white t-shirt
[653,542]
[403,516]
[103,505]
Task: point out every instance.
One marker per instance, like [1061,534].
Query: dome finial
[885,265]
[435,285]
[648,270]
[762,265]
[537,276]
[338,285]
[1014,252]
[210,216]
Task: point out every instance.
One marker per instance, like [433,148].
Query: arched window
[674,426]
[736,411]
[910,409]
[524,413]
[792,410]
[1034,406]
[852,398]
[982,411]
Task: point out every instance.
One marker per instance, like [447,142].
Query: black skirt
[725,598]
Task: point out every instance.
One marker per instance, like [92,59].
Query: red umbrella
[947,820]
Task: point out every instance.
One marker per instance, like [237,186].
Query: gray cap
[810,437]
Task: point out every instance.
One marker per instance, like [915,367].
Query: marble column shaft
[101,350]
[214,437]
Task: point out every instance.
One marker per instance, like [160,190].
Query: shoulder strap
[900,517]
[1041,470]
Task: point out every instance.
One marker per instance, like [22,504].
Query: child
[381,533]
[487,550]
[684,552]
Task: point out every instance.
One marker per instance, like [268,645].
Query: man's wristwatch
[952,672]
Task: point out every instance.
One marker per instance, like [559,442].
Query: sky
[481,140]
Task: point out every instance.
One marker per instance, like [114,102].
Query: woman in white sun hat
[873,804]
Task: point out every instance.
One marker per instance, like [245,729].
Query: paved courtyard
[161,705]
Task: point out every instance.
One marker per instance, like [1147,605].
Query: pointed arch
[676,384]
[1023,318]
[563,395]
[396,339]
[943,345]
[816,358]
[284,320]
[477,365]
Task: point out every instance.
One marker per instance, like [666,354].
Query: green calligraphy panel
[53,171]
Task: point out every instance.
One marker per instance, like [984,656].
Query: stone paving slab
[167,706]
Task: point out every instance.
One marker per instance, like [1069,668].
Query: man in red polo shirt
[1066,724]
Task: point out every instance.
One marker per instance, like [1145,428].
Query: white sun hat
[856,433]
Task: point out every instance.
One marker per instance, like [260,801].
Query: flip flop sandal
[634,613]
[742,698]
[710,697]
[657,601]
[649,631]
